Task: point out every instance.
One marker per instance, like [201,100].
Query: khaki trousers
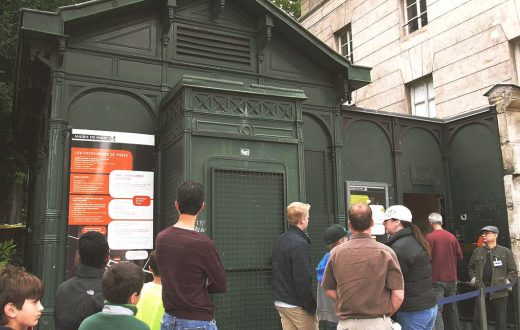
[378,323]
[295,318]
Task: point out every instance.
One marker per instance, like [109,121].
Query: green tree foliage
[7,250]
[291,7]
[13,160]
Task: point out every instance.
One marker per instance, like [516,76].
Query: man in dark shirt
[189,265]
[446,252]
[81,296]
[492,265]
[292,282]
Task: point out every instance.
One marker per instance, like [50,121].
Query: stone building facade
[506,99]
[432,58]
[435,58]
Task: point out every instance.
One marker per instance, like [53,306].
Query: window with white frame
[415,15]
[422,97]
[345,43]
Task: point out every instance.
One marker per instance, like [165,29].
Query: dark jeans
[450,311]
[498,308]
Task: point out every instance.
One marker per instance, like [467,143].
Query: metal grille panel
[248,215]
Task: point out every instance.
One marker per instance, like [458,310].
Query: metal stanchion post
[482,310]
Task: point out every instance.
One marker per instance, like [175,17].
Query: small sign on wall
[245,152]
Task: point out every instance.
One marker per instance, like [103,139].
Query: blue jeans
[170,322]
[450,311]
[418,320]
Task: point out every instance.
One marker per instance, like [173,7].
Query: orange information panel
[89,184]
[101,229]
[89,210]
[93,160]
[111,191]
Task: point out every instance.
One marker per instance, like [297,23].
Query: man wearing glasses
[492,265]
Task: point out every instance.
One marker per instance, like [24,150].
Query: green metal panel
[476,177]
[477,181]
[208,152]
[421,162]
[367,154]
[111,111]
[171,176]
[319,184]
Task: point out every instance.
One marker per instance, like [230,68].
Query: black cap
[334,233]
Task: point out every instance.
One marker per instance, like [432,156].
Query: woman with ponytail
[419,307]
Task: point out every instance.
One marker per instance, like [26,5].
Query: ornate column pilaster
[337,168]
[506,100]
[53,225]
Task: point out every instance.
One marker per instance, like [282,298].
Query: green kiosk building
[236,95]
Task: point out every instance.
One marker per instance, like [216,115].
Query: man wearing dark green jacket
[492,265]
[121,286]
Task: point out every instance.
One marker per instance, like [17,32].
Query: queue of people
[362,283]
[383,286]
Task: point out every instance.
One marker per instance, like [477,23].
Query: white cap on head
[398,212]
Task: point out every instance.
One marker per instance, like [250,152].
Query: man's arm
[397,297]
[331,294]
[328,282]
[217,278]
[394,281]
[471,266]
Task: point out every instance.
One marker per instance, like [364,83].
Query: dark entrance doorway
[421,206]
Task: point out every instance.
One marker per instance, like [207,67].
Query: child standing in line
[121,286]
[150,308]
[20,294]
[334,235]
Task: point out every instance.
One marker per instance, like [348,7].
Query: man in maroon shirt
[445,253]
[189,265]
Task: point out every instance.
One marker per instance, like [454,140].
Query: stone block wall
[506,99]
[467,47]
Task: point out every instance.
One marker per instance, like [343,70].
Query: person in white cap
[446,252]
[492,265]
[419,308]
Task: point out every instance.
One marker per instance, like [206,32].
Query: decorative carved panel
[243,106]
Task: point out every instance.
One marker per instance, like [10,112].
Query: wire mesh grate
[248,215]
